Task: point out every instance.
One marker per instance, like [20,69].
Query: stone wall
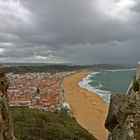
[6,132]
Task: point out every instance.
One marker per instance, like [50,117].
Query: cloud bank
[70,31]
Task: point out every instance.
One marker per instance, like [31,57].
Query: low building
[36,90]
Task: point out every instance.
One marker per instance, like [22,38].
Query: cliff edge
[123,120]
[6,132]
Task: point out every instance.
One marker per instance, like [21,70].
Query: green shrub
[135,85]
[32,124]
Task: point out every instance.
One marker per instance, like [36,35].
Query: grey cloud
[76,31]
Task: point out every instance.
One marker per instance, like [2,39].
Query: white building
[66,106]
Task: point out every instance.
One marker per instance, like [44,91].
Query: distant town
[39,85]
[37,90]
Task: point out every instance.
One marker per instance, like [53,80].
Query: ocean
[105,83]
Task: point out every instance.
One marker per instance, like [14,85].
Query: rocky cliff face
[123,120]
[5,121]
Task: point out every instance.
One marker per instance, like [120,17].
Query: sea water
[105,83]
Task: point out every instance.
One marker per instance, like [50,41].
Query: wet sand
[89,109]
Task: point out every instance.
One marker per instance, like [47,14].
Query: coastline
[89,109]
[105,95]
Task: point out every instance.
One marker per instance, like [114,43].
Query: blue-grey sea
[105,83]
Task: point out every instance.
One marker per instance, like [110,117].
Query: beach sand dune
[89,109]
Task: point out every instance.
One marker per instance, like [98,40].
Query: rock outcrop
[123,120]
[6,132]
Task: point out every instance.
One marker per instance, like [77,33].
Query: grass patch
[31,124]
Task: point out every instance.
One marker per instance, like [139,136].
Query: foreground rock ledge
[123,120]
[6,132]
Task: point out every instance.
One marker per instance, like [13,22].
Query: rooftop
[29,90]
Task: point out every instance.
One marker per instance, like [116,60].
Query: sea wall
[6,132]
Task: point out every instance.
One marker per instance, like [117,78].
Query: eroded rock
[123,120]
[6,132]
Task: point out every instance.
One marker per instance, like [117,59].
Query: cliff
[123,120]
[5,120]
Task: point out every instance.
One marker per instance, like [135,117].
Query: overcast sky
[70,31]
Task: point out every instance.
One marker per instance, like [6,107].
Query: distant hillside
[30,124]
[53,68]
[43,68]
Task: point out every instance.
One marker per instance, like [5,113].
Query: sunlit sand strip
[89,109]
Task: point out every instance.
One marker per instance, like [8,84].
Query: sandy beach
[88,108]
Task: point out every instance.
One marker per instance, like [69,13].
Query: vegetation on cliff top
[135,85]
[31,124]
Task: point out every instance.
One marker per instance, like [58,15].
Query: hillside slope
[31,124]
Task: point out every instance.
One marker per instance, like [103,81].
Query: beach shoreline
[84,83]
[89,109]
